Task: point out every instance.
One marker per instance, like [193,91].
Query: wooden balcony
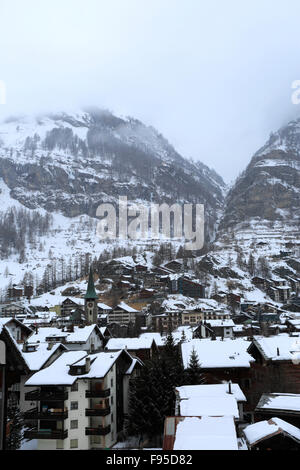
[97,411]
[99,431]
[47,395]
[35,414]
[45,434]
[97,393]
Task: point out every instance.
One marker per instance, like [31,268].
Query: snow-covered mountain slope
[74,162]
[269,188]
[261,218]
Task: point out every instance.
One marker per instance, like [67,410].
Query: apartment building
[82,399]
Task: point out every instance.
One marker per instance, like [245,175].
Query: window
[112,382]
[74,443]
[74,387]
[74,405]
[74,424]
[112,400]
[112,418]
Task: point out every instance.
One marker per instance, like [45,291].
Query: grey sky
[213,76]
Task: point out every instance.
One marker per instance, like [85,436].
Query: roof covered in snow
[114,344]
[215,390]
[217,354]
[58,372]
[279,401]
[265,429]
[206,433]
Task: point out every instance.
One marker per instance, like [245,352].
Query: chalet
[275,368]
[210,400]
[183,285]
[274,434]
[284,405]
[214,328]
[68,305]
[174,265]
[15,293]
[221,360]
[147,293]
[17,329]
[11,310]
[81,400]
[260,282]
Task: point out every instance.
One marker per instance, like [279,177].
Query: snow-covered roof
[80,335]
[280,401]
[218,354]
[58,372]
[278,348]
[215,390]
[114,344]
[206,433]
[103,306]
[127,308]
[265,429]
[223,323]
[36,359]
[210,406]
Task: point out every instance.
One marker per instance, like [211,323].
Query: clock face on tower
[90,304]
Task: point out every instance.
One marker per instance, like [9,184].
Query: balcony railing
[97,393]
[45,434]
[97,411]
[100,431]
[34,414]
[47,395]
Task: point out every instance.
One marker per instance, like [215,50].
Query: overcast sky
[213,76]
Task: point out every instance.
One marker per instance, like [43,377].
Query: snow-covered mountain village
[149,230]
[141,344]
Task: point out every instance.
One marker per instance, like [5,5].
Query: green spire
[91,293]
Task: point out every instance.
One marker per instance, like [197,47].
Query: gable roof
[262,430]
[58,372]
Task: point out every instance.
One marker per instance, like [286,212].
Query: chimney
[36,329]
[24,347]
[278,352]
[87,364]
[50,346]
[229,387]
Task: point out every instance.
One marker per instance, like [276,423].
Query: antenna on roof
[229,387]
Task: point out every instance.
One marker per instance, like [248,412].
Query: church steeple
[90,292]
[91,298]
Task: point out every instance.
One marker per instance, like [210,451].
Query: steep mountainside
[269,188]
[73,162]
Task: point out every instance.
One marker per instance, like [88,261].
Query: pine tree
[193,373]
[16,424]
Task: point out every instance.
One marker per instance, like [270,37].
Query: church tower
[90,301]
